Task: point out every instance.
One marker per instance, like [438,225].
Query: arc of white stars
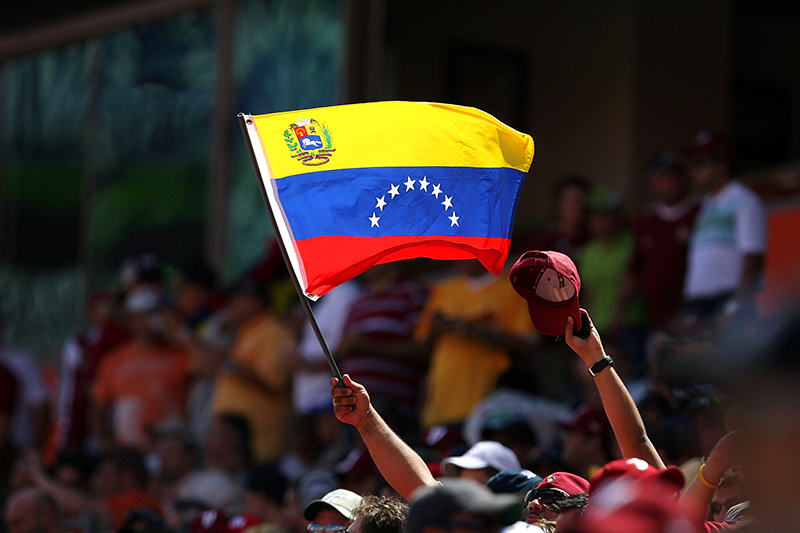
[423,184]
[381,202]
[393,190]
[374,221]
[410,184]
[437,190]
[448,202]
[453,219]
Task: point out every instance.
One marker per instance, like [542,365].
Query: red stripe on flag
[332,260]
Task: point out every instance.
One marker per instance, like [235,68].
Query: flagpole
[244,121]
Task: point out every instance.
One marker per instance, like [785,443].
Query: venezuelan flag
[358,185]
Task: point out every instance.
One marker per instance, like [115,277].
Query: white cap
[483,454]
[341,500]
[143,300]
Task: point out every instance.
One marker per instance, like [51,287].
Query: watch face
[553,287]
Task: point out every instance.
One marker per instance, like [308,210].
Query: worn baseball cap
[589,421]
[637,469]
[633,505]
[341,500]
[569,483]
[482,454]
[435,505]
[550,283]
[706,145]
[513,481]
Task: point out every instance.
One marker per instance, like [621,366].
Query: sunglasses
[319,528]
[545,496]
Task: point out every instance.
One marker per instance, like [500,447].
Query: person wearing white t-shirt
[728,243]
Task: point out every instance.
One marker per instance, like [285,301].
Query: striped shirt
[385,317]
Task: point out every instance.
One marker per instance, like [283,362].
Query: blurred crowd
[187,406]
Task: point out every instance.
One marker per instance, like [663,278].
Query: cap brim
[450,464]
[315,506]
[551,319]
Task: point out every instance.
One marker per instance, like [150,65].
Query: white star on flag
[423,184]
[448,202]
[381,202]
[453,219]
[437,190]
[409,184]
[393,191]
[374,220]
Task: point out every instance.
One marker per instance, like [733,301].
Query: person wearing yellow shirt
[472,323]
[253,382]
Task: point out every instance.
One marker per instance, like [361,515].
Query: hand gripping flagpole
[244,122]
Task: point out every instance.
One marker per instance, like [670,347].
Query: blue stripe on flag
[347,202]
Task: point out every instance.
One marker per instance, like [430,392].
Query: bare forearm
[617,402]
[400,466]
[625,419]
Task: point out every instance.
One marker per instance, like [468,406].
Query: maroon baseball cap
[706,145]
[589,421]
[671,476]
[633,505]
[569,483]
[549,281]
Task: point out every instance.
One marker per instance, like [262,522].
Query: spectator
[334,510]
[80,361]
[33,511]
[603,267]
[569,233]
[658,266]
[377,346]
[587,443]
[144,381]
[379,514]
[228,456]
[472,324]
[195,294]
[119,485]
[482,461]
[31,409]
[254,382]
[461,504]
[265,490]
[731,491]
[557,493]
[727,247]
[174,456]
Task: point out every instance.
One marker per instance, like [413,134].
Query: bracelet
[703,479]
[600,365]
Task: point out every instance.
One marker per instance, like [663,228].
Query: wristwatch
[600,365]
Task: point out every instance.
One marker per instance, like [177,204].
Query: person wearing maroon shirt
[662,230]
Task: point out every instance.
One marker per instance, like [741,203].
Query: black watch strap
[600,365]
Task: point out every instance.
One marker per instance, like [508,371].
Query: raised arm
[700,491]
[400,466]
[617,402]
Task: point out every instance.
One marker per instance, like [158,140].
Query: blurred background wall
[118,131]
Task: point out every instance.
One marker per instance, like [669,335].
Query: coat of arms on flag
[309,141]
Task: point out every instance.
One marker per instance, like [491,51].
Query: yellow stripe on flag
[389,134]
